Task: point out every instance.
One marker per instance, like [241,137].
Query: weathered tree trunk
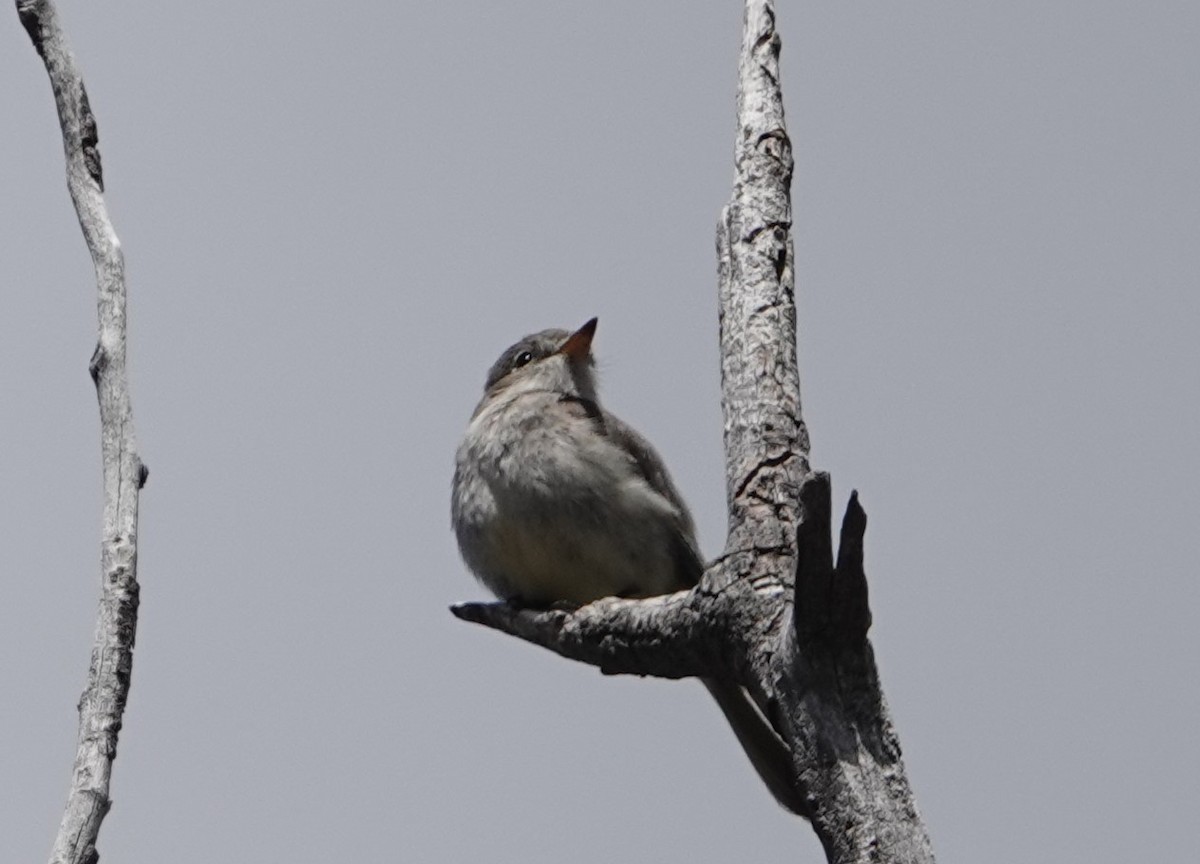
[775,612]
[103,701]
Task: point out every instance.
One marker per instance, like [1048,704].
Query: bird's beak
[579,343]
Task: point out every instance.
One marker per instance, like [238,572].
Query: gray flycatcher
[556,500]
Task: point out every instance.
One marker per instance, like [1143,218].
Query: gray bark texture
[777,612]
[103,701]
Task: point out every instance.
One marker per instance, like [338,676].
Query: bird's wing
[648,462]
[652,468]
[649,465]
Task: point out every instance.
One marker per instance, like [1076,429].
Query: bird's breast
[546,509]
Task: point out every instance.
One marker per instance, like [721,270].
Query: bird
[557,501]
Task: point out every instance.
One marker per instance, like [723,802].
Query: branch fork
[779,613]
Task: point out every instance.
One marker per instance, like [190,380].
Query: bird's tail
[768,754]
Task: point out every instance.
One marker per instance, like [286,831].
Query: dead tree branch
[777,612]
[103,701]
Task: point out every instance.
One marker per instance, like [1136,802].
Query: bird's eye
[522,359]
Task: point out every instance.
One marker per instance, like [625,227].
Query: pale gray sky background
[335,217]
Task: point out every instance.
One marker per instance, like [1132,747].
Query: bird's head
[556,360]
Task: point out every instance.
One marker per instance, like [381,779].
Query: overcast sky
[335,217]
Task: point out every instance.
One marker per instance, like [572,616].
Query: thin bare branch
[103,701]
